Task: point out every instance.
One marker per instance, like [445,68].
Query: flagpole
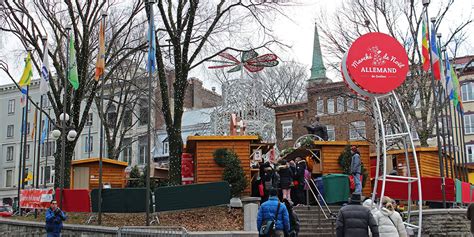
[63,121]
[21,155]
[464,146]
[447,104]
[101,142]
[46,153]
[25,142]
[150,91]
[441,166]
[35,174]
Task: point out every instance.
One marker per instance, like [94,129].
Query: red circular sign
[377,63]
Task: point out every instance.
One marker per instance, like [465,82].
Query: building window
[350,104]
[142,148]
[340,104]
[9,178]
[143,114]
[11,106]
[27,151]
[166,146]
[10,150]
[467,91]
[47,148]
[127,151]
[331,133]
[90,119]
[414,134]
[361,105]
[111,116]
[357,130]
[25,176]
[46,102]
[330,106]
[127,119]
[287,130]
[89,144]
[469,124]
[417,100]
[320,107]
[46,173]
[10,130]
[470,153]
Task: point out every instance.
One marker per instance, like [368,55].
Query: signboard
[187,168]
[375,63]
[36,198]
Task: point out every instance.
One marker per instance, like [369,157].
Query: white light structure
[243,97]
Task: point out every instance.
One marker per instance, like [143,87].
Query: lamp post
[70,136]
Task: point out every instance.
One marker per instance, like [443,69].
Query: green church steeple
[318,71]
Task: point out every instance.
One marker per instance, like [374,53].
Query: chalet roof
[104,160]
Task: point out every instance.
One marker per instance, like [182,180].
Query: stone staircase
[313,222]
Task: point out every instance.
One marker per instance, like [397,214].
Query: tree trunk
[176,149]
[67,164]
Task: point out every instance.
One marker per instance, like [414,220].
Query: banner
[36,198]
[187,169]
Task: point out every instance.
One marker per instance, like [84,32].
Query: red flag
[424,46]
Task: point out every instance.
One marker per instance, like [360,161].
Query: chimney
[213,89]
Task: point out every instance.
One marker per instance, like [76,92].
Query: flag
[44,84]
[72,67]
[151,64]
[457,92]
[27,72]
[34,124]
[23,98]
[449,79]
[424,46]
[44,133]
[100,64]
[434,55]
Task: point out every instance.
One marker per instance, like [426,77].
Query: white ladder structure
[387,108]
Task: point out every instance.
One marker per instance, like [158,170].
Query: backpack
[268,228]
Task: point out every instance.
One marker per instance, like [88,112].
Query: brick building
[344,114]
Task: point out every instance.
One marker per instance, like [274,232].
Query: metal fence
[159,231]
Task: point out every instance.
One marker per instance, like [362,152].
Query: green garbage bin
[336,188]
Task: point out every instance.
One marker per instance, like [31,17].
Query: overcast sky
[296,31]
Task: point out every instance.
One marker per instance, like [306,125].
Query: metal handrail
[317,199]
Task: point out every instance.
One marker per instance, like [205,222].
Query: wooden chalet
[85,173]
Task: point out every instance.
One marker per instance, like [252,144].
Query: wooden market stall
[85,173]
[202,149]
[427,159]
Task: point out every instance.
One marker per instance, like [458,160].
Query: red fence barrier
[431,189]
[75,200]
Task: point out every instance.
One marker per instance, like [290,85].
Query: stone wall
[444,222]
[10,227]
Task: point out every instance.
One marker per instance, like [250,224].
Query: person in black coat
[354,220]
[294,220]
[286,179]
[300,182]
[269,179]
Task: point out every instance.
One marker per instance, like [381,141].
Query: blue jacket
[356,164]
[54,223]
[267,212]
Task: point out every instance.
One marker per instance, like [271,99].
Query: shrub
[233,172]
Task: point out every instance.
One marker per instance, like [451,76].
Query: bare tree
[401,21]
[29,21]
[195,32]
[283,84]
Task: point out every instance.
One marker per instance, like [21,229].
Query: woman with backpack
[389,221]
[269,179]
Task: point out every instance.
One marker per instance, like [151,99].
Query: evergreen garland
[233,172]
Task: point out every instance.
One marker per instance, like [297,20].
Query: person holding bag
[356,169]
[54,220]
[389,221]
[272,217]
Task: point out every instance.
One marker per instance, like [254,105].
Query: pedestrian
[272,217]
[54,220]
[294,220]
[372,206]
[470,216]
[389,221]
[356,167]
[300,181]
[355,219]
[270,179]
[286,179]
